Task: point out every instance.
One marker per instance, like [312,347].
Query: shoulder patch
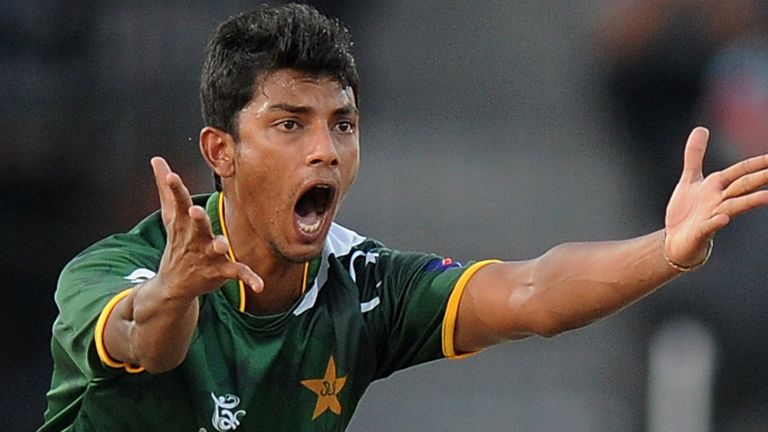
[441,264]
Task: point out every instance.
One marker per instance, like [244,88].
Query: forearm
[570,286]
[575,284]
[152,328]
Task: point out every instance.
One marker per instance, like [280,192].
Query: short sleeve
[89,286]
[417,297]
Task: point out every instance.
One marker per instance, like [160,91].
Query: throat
[281,291]
[283,279]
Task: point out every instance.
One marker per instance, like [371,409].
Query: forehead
[288,86]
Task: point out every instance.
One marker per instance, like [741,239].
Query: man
[249,309]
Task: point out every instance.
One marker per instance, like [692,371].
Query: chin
[303,253]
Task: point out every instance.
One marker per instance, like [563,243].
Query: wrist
[687,268]
[165,291]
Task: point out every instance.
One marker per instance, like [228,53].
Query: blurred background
[490,129]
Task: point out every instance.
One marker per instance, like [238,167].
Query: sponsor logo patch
[441,264]
[140,275]
[225,416]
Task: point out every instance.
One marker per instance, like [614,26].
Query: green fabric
[370,309]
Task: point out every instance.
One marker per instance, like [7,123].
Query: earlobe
[218,149]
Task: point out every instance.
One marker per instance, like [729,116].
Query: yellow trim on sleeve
[452,310]
[98,336]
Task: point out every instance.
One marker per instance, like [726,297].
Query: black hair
[246,48]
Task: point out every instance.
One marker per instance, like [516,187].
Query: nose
[322,149]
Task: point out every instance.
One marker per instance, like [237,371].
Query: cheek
[256,179]
[256,165]
[352,175]
[349,153]
[350,166]
[350,156]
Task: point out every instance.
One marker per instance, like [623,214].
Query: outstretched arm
[153,325]
[575,284]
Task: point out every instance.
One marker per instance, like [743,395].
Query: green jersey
[367,312]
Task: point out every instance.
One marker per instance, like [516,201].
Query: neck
[283,280]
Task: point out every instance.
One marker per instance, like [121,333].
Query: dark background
[489,129]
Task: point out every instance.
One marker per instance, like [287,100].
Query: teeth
[309,229]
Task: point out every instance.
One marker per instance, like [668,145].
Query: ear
[218,150]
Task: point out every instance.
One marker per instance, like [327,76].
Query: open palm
[700,206]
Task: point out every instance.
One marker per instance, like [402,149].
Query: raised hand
[195,261]
[700,206]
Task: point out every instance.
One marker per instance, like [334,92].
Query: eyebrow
[347,110]
[294,109]
[302,109]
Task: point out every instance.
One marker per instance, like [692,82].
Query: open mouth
[312,206]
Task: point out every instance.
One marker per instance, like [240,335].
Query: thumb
[693,159]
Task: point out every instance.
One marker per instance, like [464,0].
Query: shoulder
[349,247]
[368,261]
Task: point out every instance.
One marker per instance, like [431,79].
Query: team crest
[327,389]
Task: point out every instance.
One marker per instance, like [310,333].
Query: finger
[693,159]
[220,245]
[161,170]
[736,206]
[201,222]
[182,201]
[713,225]
[751,165]
[746,184]
[234,270]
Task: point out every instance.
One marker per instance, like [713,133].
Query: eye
[345,127]
[288,125]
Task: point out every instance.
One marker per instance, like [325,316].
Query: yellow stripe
[231,252]
[304,279]
[99,335]
[452,310]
